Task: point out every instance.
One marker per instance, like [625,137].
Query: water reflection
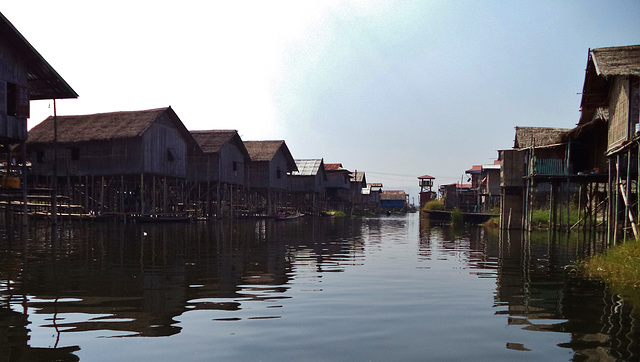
[384,281]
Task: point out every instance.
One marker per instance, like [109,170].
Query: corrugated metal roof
[309,167]
[357,177]
[491,167]
[426,177]
[332,166]
[474,169]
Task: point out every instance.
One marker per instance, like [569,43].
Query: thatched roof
[538,136]
[602,65]
[265,151]
[210,141]
[43,81]
[623,60]
[103,126]
[597,124]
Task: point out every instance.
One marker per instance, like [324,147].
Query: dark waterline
[385,288]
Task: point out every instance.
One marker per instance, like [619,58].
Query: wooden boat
[160,218]
[468,217]
[282,217]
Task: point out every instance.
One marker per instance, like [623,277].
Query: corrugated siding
[550,166]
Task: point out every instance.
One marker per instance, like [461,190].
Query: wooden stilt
[142,193]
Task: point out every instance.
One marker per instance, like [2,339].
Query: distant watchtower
[426,183]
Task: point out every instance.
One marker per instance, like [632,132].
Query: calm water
[309,289]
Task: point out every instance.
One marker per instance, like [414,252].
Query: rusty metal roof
[43,81]
[474,169]
[393,195]
[426,177]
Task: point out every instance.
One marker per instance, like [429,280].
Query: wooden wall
[160,151]
[14,97]
[164,150]
[618,112]
[307,183]
[88,158]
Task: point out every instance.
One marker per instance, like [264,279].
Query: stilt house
[538,159]
[220,171]
[271,163]
[308,184]
[393,201]
[24,75]
[337,186]
[357,183]
[485,183]
[133,154]
[373,192]
[611,97]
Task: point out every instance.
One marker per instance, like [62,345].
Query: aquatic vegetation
[457,217]
[434,205]
[619,266]
[494,222]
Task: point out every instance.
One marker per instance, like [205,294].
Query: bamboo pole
[629,213]
[54,183]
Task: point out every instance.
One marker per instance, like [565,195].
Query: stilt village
[145,164]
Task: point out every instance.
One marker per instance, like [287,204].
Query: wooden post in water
[25,206]
[101,206]
[54,183]
[142,193]
[153,195]
[164,196]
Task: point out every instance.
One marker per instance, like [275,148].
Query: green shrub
[434,205]
[619,266]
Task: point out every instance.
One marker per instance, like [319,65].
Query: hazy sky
[397,89]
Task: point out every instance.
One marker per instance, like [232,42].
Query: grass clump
[494,222]
[434,205]
[457,218]
[618,266]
